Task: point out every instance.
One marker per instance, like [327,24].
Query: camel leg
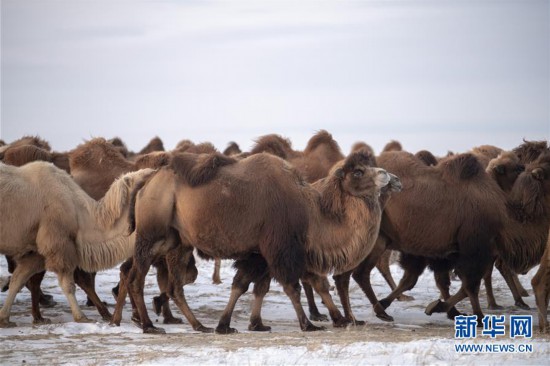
[342,285]
[216,275]
[362,273]
[439,306]
[161,303]
[321,286]
[383,266]
[86,281]
[33,284]
[522,291]
[488,281]
[176,262]
[26,268]
[261,287]
[135,285]
[122,292]
[506,272]
[314,313]
[443,281]
[293,293]
[66,282]
[241,281]
[413,266]
[90,283]
[541,288]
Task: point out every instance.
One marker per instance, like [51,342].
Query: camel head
[530,150]
[135,180]
[505,169]
[530,196]
[359,175]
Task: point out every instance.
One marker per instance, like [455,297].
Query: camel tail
[284,244]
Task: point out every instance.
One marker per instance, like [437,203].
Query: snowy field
[413,338]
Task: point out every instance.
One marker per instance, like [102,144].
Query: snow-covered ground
[413,338]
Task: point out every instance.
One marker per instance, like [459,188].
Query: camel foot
[201,328]
[216,281]
[318,317]
[404,297]
[520,304]
[385,303]
[436,306]
[41,321]
[172,320]
[84,320]
[453,313]
[341,323]
[355,322]
[312,328]
[381,313]
[259,327]
[7,324]
[495,307]
[107,317]
[153,330]
[115,323]
[136,320]
[225,329]
[46,301]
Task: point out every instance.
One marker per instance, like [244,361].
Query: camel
[232,149]
[314,163]
[273,223]
[54,225]
[541,288]
[458,213]
[23,154]
[95,165]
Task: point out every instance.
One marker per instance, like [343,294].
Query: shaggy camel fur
[457,210]
[541,288]
[95,166]
[273,223]
[392,146]
[523,240]
[54,225]
[232,149]
[21,155]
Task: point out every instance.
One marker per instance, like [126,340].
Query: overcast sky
[438,75]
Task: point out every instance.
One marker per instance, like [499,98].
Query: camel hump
[529,151]
[200,169]
[393,145]
[22,155]
[155,144]
[321,138]
[426,157]
[274,145]
[232,149]
[463,166]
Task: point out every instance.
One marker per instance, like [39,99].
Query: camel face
[505,169]
[360,178]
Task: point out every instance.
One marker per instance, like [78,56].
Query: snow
[413,338]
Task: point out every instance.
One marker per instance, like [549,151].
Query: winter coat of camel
[54,225]
[447,216]
[260,211]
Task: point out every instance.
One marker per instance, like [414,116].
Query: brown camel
[54,225]
[95,166]
[541,288]
[457,213]
[314,163]
[273,223]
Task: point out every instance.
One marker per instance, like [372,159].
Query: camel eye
[357,174]
[520,168]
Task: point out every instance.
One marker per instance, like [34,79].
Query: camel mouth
[395,183]
[382,178]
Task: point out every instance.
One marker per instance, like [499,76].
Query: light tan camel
[54,225]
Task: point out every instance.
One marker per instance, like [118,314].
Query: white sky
[438,75]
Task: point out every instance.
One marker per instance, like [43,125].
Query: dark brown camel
[458,213]
[273,223]
[541,288]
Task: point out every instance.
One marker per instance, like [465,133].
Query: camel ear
[538,173]
[339,173]
[127,181]
[499,169]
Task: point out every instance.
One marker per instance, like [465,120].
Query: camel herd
[293,216]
